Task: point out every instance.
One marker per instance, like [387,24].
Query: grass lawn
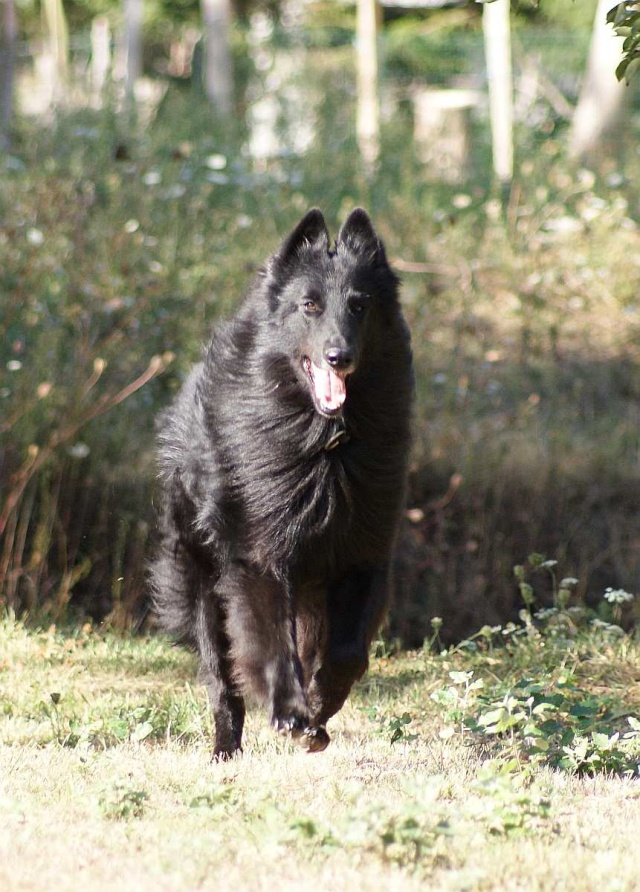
[491,766]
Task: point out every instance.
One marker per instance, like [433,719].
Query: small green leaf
[583,710]
[602,741]
[460,677]
[141,731]
[542,708]
[493,716]
[526,591]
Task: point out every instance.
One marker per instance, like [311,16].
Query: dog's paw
[314,740]
[290,725]
[226,755]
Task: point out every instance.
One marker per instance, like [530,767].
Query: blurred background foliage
[126,231]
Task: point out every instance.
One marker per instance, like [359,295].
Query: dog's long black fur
[283,466]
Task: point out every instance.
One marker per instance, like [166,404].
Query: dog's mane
[271,445]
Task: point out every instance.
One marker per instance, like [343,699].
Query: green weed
[599,752]
[123,802]
[405,835]
[556,722]
[394,728]
[80,723]
[508,803]
[526,700]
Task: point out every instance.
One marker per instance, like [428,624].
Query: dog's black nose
[338,357]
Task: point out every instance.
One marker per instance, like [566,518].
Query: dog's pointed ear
[358,235]
[310,232]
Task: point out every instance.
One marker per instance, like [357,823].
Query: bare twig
[37,457]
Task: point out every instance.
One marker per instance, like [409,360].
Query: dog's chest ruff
[292,495]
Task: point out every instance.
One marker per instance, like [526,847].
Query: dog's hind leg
[261,630]
[188,606]
[226,704]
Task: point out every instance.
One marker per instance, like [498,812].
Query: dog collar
[338,435]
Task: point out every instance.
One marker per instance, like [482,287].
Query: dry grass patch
[150,811]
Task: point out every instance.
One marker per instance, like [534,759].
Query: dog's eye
[310,305]
[358,305]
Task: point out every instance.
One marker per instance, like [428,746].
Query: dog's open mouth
[328,387]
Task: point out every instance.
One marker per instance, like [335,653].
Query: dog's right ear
[311,232]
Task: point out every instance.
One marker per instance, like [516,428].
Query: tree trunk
[100,57]
[8,36]
[218,70]
[368,111]
[58,34]
[601,94]
[133,18]
[497,48]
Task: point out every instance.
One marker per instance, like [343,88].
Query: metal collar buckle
[338,437]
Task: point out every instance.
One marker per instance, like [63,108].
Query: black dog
[283,463]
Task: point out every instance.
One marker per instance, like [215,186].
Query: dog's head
[329,306]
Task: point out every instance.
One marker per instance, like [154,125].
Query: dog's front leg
[261,630]
[355,608]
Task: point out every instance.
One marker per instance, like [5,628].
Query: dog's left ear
[357,234]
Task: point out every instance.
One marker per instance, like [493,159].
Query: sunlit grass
[106,774]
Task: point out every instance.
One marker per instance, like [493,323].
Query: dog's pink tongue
[330,388]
